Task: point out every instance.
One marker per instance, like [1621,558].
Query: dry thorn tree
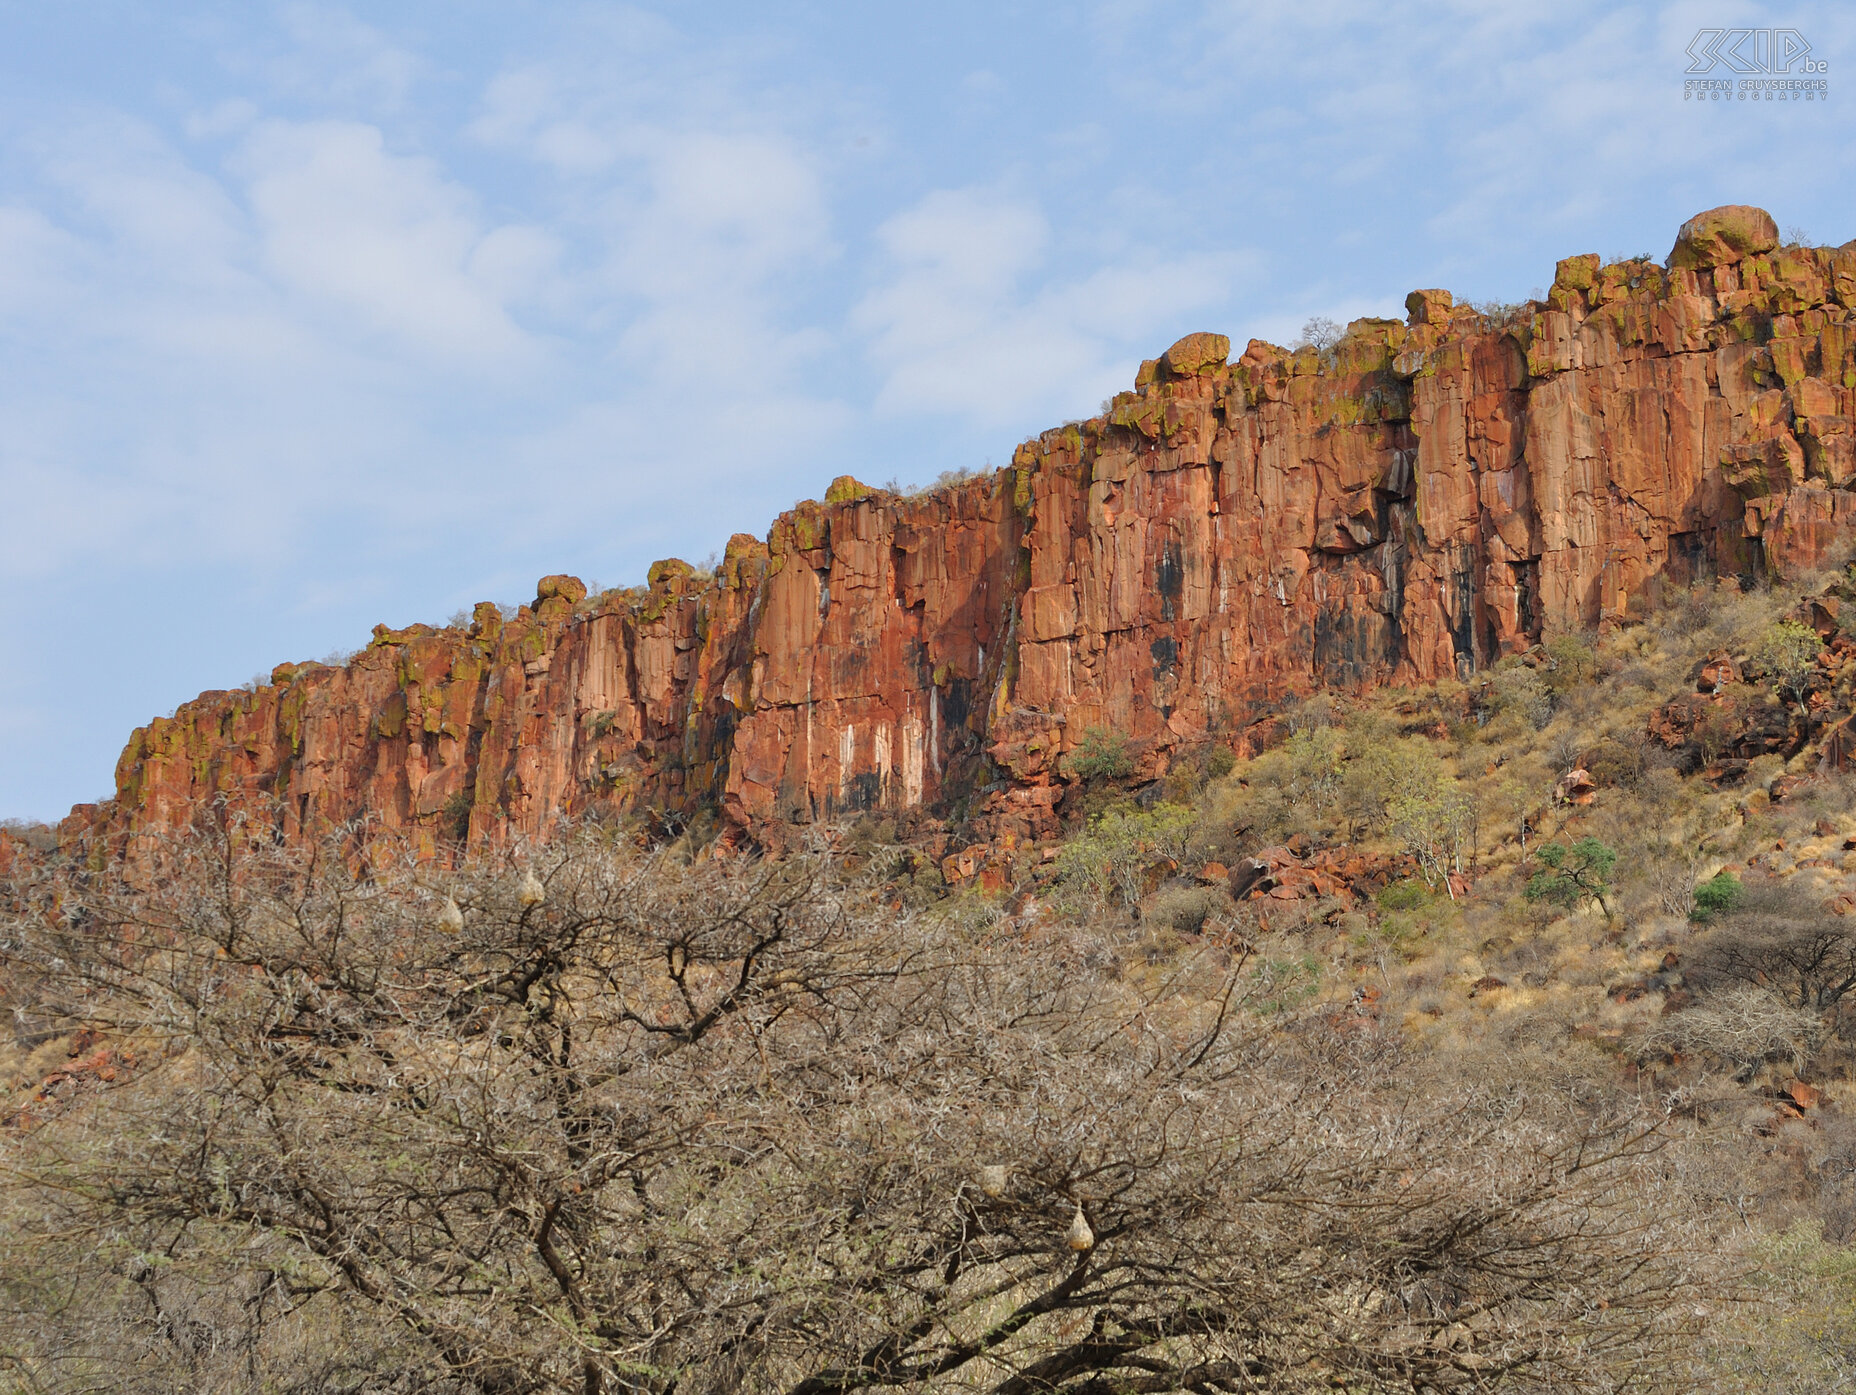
[601,1122]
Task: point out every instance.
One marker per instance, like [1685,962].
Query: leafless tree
[1779,937]
[599,1121]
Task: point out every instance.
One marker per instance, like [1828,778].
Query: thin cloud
[964,324]
[334,58]
[387,238]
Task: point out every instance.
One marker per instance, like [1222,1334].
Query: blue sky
[315,316]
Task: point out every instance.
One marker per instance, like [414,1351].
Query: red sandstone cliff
[1415,501]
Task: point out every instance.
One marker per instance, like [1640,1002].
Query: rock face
[1413,502]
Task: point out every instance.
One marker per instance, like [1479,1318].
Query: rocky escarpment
[1410,502]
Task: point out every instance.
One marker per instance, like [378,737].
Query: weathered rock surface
[1416,501]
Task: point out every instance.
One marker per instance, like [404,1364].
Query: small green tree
[1520,692]
[1572,876]
[1572,663]
[1380,771]
[1109,864]
[1102,755]
[1788,654]
[1422,805]
[1438,828]
[1312,762]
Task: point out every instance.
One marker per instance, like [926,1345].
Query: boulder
[1576,787]
[1429,307]
[1803,1095]
[569,588]
[1247,874]
[1717,671]
[1576,273]
[1196,353]
[1723,236]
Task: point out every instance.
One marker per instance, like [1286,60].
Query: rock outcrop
[1414,501]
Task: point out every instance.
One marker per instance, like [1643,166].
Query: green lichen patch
[390,721]
[846,490]
[1576,273]
[664,575]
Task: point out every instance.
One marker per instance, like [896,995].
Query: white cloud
[708,241]
[523,110]
[965,324]
[967,241]
[128,185]
[334,58]
[224,118]
[1490,117]
[700,220]
[32,251]
[386,238]
[713,215]
[515,264]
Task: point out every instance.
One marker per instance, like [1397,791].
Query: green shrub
[1435,818]
[1291,787]
[1221,762]
[1573,664]
[1110,863]
[1716,896]
[1311,763]
[1617,763]
[1102,755]
[1403,896]
[454,819]
[1185,908]
[1386,772]
[1520,691]
[1183,783]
